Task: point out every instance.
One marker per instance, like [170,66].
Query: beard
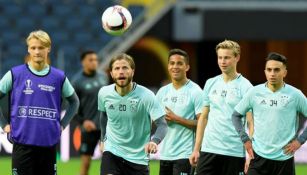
[122,85]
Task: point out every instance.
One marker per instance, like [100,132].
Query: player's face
[37,51]
[275,72]
[122,73]
[90,62]
[227,61]
[177,67]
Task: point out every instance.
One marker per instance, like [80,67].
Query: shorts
[175,167]
[89,142]
[33,160]
[216,164]
[114,165]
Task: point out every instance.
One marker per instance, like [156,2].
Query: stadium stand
[74,25]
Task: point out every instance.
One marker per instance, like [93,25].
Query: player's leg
[89,141]
[166,167]
[22,160]
[207,164]
[259,166]
[182,167]
[231,165]
[110,164]
[129,168]
[45,160]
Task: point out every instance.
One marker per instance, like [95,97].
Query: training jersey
[35,106]
[275,118]
[185,102]
[129,121]
[87,88]
[220,136]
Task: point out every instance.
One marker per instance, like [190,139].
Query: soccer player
[87,84]
[275,107]
[35,124]
[125,130]
[183,104]
[222,152]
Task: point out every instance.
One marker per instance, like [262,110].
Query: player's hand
[101,146]
[170,115]
[88,125]
[7,128]
[246,165]
[291,147]
[249,149]
[151,148]
[194,158]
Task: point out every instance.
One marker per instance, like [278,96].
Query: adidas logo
[111,107]
[263,102]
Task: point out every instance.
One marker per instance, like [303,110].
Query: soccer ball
[116,20]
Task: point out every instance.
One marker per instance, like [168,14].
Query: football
[116,20]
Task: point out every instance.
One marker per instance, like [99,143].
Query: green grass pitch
[72,167]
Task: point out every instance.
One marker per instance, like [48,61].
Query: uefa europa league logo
[28,83]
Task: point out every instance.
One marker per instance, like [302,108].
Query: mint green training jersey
[185,102]
[275,118]
[220,136]
[7,82]
[129,121]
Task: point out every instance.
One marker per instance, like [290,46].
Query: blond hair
[231,45]
[41,36]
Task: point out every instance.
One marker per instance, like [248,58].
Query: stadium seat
[12,10]
[135,10]
[26,23]
[50,23]
[74,23]
[36,10]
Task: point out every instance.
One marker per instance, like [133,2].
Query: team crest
[284,100]
[133,105]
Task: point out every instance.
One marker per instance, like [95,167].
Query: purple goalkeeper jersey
[35,103]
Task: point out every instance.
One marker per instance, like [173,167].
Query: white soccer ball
[116,20]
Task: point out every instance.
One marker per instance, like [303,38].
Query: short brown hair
[122,56]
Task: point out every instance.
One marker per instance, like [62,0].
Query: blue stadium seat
[59,36]
[83,37]
[10,36]
[26,23]
[135,10]
[50,23]
[36,10]
[13,10]
[74,23]
[62,10]
[88,11]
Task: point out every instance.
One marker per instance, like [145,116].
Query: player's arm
[5,86]
[73,103]
[103,125]
[237,122]
[295,144]
[3,122]
[250,124]
[172,117]
[158,136]
[160,131]
[201,125]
